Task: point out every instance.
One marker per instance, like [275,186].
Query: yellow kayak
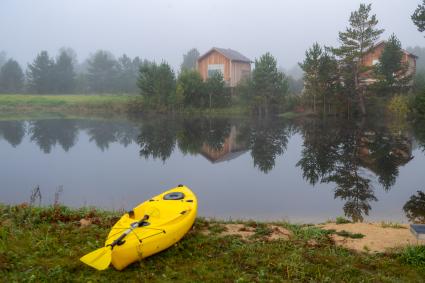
[149,228]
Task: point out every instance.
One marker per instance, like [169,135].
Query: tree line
[100,73]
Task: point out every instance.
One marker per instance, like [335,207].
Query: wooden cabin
[372,58]
[233,65]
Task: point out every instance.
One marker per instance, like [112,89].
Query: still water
[302,171]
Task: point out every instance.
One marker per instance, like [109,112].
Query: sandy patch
[85,222]
[376,238]
[238,230]
[279,233]
[246,232]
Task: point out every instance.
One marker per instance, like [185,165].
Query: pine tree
[320,74]
[311,68]
[102,72]
[64,73]
[356,41]
[128,72]
[391,72]
[11,77]
[2,58]
[189,59]
[40,74]
[270,85]
[418,17]
[157,83]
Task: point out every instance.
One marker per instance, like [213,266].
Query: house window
[215,68]
[375,61]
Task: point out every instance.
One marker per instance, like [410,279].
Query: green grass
[414,255]
[346,234]
[342,220]
[392,225]
[45,244]
[64,103]
[12,105]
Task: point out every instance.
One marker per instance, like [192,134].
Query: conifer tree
[11,77]
[40,74]
[391,72]
[64,74]
[270,85]
[320,74]
[418,17]
[356,41]
[189,59]
[102,72]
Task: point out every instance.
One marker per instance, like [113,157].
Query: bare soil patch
[247,232]
[376,238]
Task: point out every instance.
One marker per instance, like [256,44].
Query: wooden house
[233,65]
[372,58]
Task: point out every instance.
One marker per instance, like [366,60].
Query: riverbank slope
[96,104]
[44,244]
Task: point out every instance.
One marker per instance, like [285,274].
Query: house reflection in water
[231,148]
[383,154]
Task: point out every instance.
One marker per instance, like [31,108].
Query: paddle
[101,258]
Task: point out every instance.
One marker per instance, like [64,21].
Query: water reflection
[266,139]
[47,133]
[340,152]
[157,138]
[12,131]
[419,130]
[355,157]
[415,208]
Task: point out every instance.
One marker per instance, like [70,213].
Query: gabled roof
[230,54]
[382,42]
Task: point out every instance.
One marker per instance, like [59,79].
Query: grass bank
[23,105]
[64,103]
[44,245]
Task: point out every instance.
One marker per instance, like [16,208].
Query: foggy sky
[156,29]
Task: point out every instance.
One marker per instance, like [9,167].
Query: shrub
[399,106]
[419,104]
[413,255]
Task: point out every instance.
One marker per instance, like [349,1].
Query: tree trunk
[361,103]
[359,92]
[324,104]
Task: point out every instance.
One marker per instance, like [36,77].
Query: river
[305,170]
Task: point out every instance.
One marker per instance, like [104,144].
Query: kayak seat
[174,196]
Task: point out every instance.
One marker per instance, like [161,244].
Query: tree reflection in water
[47,133]
[157,138]
[342,152]
[415,208]
[12,131]
[266,139]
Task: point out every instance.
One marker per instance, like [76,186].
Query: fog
[164,30]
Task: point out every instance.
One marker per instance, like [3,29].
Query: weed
[392,225]
[342,220]
[413,255]
[262,230]
[347,234]
[217,228]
